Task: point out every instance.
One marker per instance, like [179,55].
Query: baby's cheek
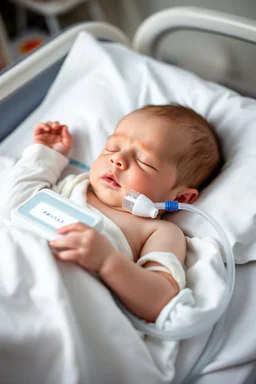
[91,177]
[96,170]
[142,185]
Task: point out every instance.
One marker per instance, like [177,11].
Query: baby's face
[137,156]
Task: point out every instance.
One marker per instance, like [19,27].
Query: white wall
[246,8]
[212,57]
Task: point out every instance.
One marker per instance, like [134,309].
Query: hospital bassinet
[24,85]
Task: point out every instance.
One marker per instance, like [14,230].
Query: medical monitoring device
[48,211]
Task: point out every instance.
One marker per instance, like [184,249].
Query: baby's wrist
[41,143]
[110,264]
[60,151]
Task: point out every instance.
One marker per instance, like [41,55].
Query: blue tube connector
[170,205]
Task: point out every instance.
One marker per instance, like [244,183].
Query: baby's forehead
[154,135]
[143,122]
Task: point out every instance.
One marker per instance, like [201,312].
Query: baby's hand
[83,245]
[53,135]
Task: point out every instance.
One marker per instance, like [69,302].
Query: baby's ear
[187,196]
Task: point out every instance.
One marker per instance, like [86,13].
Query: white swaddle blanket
[68,326]
[65,322]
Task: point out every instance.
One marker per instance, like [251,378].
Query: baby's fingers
[69,241]
[68,255]
[41,128]
[65,130]
[66,137]
[55,125]
[57,128]
[77,227]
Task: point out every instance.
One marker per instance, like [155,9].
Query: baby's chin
[110,198]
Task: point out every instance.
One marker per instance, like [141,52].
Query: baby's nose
[118,161]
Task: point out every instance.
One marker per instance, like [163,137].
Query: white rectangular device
[47,211]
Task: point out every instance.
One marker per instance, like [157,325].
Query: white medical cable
[140,205]
[209,352]
[215,340]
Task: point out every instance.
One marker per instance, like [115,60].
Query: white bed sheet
[67,325]
[59,324]
[239,339]
[238,347]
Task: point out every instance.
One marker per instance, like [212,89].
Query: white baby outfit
[41,167]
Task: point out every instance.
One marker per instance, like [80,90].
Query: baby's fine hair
[202,158]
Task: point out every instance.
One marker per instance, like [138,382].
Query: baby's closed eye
[112,149]
[146,164]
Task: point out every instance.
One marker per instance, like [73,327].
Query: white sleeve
[169,264]
[39,167]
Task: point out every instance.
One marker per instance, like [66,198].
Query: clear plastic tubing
[199,327]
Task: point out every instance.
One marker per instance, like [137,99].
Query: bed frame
[26,82]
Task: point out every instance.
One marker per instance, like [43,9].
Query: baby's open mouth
[111,180]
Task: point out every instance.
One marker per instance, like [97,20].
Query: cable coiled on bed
[140,205]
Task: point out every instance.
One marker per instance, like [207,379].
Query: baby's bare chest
[136,232]
[135,229]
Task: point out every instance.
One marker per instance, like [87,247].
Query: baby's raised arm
[40,166]
[54,135]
